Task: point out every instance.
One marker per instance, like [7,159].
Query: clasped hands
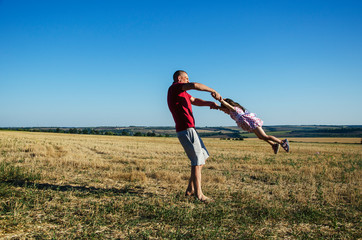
[217,96]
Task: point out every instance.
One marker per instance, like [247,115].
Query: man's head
[180,76]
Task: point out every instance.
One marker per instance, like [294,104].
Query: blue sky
[110,63]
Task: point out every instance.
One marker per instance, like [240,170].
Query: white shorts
[193,146]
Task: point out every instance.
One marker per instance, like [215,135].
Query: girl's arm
[227,105]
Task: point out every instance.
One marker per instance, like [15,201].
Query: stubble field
[62,186]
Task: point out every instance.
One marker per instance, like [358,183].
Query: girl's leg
[259,132]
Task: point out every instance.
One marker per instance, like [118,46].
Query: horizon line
[130,126]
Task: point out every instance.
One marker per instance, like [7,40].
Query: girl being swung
[250,123]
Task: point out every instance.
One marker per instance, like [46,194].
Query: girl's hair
[234,104]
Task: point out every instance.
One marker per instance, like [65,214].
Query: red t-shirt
[180,106]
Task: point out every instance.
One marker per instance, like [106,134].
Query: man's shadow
[130,190]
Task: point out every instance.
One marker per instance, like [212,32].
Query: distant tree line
[90,131]
[215,132]
[234,139]
[330,130]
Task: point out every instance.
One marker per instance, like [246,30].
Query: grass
[61,186]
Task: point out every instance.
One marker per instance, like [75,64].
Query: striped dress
[245,120]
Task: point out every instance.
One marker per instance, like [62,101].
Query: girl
[249,122]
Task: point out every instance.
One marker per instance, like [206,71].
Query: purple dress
[245,120]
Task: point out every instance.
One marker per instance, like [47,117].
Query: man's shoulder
[175,90]
[176,87]
[177,84]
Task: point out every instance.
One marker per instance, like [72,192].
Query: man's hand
[214,106]
[216,95]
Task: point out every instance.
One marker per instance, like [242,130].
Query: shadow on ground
[132,190]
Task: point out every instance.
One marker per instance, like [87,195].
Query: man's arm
[201,87]
[199,102]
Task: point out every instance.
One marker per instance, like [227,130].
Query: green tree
[73,130]
[151,134]
[124,133]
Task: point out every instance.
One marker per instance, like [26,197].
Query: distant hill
[213,132]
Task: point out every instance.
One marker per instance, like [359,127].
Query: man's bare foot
[188,193]
[205,199]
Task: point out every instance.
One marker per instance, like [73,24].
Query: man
[180,104]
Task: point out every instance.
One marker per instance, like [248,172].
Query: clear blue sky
[96,63]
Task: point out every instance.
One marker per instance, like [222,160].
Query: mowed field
[62,186]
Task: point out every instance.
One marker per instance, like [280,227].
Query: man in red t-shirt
[180,104]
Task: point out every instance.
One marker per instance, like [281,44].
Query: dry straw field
[62,186]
